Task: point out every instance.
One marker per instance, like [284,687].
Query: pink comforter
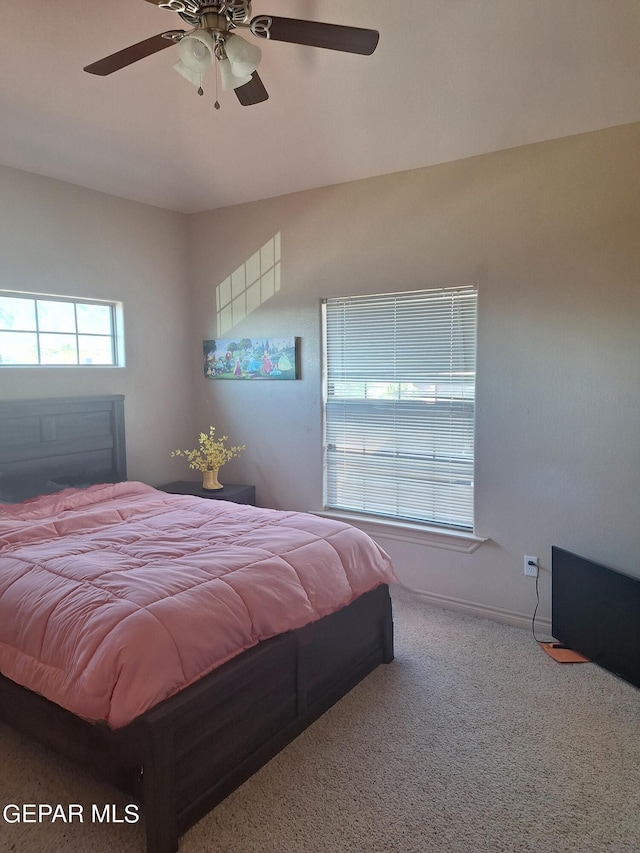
[115,597]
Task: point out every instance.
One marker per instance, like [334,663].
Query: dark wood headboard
[59,442]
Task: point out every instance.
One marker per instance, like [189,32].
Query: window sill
[404,531]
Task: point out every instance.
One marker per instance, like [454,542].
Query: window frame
[373,467]
[115,336]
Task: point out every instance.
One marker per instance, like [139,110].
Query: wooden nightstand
[240,494]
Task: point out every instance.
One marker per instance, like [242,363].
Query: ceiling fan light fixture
[243,56]
[228,79]
[211,41]
[196,51]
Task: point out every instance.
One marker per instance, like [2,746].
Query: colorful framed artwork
[252,358]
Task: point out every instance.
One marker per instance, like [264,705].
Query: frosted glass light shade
[243,56]
[228,79]
[196,51]
[192,76]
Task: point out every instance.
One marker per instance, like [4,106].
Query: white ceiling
[450,79]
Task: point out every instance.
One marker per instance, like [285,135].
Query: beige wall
[61,239]
[550,234]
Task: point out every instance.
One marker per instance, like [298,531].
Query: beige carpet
[473,740]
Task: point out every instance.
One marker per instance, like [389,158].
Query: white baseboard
[497,614]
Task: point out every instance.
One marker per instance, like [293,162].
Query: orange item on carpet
[562,654]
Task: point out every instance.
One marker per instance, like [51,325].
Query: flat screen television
[596,611]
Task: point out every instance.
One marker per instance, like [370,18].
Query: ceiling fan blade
[130,55]
[252,92]
[315,34]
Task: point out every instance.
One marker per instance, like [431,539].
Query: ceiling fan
[213,39]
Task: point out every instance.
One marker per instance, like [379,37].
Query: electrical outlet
[531,566]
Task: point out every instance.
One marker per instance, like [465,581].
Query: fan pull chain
[217,102]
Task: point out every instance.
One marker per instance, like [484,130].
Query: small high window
[55,330]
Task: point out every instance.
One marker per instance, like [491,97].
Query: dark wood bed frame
[185,755]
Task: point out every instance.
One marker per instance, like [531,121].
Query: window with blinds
[399,405]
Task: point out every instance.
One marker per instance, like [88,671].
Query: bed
[179,756]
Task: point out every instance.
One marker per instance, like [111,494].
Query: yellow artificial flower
[211,453]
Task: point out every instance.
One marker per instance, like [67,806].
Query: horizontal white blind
[400,405]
